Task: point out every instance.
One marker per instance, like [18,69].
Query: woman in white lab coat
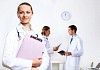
[74,50]
[14,40]
[46,32]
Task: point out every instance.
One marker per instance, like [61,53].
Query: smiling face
[24,13]
[71,32]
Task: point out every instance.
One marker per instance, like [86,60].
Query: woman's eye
[28,12]
[21,12]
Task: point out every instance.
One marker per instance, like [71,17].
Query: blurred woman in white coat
[74,50]
[46,32]
[14,40]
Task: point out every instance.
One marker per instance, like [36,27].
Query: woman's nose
[25,14]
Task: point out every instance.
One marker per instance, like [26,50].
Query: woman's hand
[36,62]
[55,48]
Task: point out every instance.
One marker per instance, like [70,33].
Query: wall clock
[65,15]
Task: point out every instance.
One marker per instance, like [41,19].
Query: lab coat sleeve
[45,61]
[9,55]
[50,50]
[79,48]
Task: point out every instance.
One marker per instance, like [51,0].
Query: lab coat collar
[21,28]
[45,38]
[74,36]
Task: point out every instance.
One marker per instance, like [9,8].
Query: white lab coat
[76,48]
[11,49]
[49,50]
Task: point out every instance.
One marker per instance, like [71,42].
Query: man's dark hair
[73,27]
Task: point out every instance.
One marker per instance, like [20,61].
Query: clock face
[65,15]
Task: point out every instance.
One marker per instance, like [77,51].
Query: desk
[93,69]
[60,60]
[60,63]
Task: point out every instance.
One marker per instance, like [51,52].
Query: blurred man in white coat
[74,50]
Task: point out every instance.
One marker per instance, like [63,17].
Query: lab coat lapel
[72,45]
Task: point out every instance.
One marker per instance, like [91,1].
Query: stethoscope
[19,37]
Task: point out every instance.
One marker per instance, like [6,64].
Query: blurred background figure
[46,32]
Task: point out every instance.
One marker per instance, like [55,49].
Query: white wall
[85,15]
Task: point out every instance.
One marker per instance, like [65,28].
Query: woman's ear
[17,14]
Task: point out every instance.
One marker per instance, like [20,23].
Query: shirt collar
[74,36]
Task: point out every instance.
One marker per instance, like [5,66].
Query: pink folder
[30,48]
